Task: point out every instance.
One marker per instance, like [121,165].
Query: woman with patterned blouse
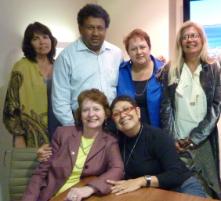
[27,103]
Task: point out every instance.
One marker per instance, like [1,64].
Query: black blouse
[140,97]
[154,154]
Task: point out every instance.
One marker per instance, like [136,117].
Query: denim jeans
[192,187]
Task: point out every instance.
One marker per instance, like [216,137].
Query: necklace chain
[85,151]
[132,150]
[143,91]
[84,148]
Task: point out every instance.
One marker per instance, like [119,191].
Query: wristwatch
[148,180]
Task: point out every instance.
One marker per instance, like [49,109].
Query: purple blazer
[104,161]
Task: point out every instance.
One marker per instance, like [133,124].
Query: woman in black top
[149,156]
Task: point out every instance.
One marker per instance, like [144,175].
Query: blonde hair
[177,60]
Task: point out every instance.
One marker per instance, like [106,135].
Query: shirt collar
[196,72]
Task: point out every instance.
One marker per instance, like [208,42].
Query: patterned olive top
[26,104]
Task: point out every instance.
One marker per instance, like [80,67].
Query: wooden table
[143,194]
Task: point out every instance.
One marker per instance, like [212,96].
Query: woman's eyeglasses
[125,110]
[190,36]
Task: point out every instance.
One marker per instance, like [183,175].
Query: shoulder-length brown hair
[94,95]
[27,48]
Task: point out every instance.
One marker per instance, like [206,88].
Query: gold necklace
[84,148]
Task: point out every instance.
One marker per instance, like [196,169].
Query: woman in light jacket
[192,102]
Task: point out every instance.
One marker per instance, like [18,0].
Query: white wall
[150,15]
[175,21]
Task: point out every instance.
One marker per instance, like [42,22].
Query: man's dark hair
[27,47]
[93,10]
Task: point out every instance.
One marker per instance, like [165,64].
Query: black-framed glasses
[125,110]
[190,36]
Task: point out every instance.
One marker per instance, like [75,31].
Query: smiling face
[126,118]
[93,32]
[41,43]
[191,42]
[92,115]
[138,50]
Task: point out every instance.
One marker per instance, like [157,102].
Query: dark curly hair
[93,10]
[27,48]
[94,95]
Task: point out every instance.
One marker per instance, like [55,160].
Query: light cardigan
[26,104]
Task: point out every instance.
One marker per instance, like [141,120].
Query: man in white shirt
[88,62]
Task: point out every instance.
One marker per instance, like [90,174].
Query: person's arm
[38,179]
[61,91]
[79,193]
[166,108]
[126,186]
[166,114]
[115,169]
[207,125]
[174,172]
[12,108]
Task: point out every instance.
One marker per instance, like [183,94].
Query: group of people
[165,114]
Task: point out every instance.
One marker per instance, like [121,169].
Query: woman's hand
[78,193]
[179,148]
[184,144]
[162,58]
[44,152]
[125,186]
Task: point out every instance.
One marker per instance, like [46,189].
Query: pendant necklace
[132,150]
[85,151]
[84,148]
[141,93]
